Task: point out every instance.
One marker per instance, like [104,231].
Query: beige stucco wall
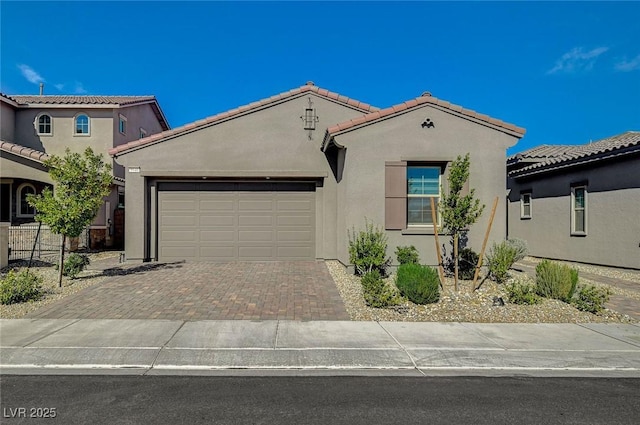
[262,143]
[100,138]
[613,205]
[7,122]
[16,167]
[362,190]
[4,245]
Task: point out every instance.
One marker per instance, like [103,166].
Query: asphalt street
[317,400]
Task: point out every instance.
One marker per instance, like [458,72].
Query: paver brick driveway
[301,290]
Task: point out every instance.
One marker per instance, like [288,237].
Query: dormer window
[44,125]
[82,125]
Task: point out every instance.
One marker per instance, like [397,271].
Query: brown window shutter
[395,192]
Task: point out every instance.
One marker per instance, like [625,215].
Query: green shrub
[500,258]
[420,284]
[554,280]
[19,287]
[467,263]
[519,248]
[75,264]
[376,292]
[522,292]
[368,250]
[591,298]
[407,255]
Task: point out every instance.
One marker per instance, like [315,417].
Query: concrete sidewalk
[39,346]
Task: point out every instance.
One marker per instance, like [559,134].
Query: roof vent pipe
[41,89]
[426,94]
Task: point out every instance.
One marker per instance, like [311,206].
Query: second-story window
[44,124]
[143,133]
[82,125]
[122,124]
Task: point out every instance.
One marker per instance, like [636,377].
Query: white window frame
[437,197]
[20,197]
[142,133]
[37,124]
[523,204]
[575,232]
[122,124]
[75,125]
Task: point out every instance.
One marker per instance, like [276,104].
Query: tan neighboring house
[34,127]
[579,203]
[286,177]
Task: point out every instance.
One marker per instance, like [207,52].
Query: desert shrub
[591,298]
[19,287]
[467,263]
[554,280]
[500,258]
[519,248]
[376,292]
[75,264]
[407,255]
[368,250]
[522,292]
[420,284]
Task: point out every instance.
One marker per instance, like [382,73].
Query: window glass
[122,125]
[526,205]
[25,208]
[44,124]
[579,210]
[423,184]
[82,124]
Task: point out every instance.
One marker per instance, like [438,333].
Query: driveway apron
[289,290]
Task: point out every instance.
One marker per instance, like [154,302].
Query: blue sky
[567,72]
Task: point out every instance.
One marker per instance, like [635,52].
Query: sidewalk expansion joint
[609,336]
[413,361]
[57,330]
[164,346]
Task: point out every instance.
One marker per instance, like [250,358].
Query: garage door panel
[217,235]
[255,236]
[179,205]
[216,220]
[221,253]
[219,222]
[255,252]
[217,205]
[295,235]
[255,220]
[179,236]
[255,205]
[180,220]
[295,220]
[288,205]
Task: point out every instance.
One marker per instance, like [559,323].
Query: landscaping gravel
[464,305]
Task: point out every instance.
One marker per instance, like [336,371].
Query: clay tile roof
[547,157]
[308,87]
[23,151]
[80,100]
[413,103]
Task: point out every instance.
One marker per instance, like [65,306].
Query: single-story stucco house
[579,203]
[285,178]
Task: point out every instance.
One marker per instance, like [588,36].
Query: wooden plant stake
[435,234]
[484,243]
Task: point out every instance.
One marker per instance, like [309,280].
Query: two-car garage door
[236,221]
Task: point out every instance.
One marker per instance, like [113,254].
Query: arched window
[44,124]
[24,209]
[82,125]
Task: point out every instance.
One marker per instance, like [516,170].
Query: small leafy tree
[81,182]
[459,212]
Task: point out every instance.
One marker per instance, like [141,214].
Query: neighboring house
[279,179]
[579,203]
[34,127]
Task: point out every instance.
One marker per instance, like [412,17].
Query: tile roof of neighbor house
[425,99]
[23,151]
[79,100]
[25,101]
[308,87]
[548,157]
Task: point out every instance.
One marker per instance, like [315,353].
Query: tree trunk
[455,261]
[61,266]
